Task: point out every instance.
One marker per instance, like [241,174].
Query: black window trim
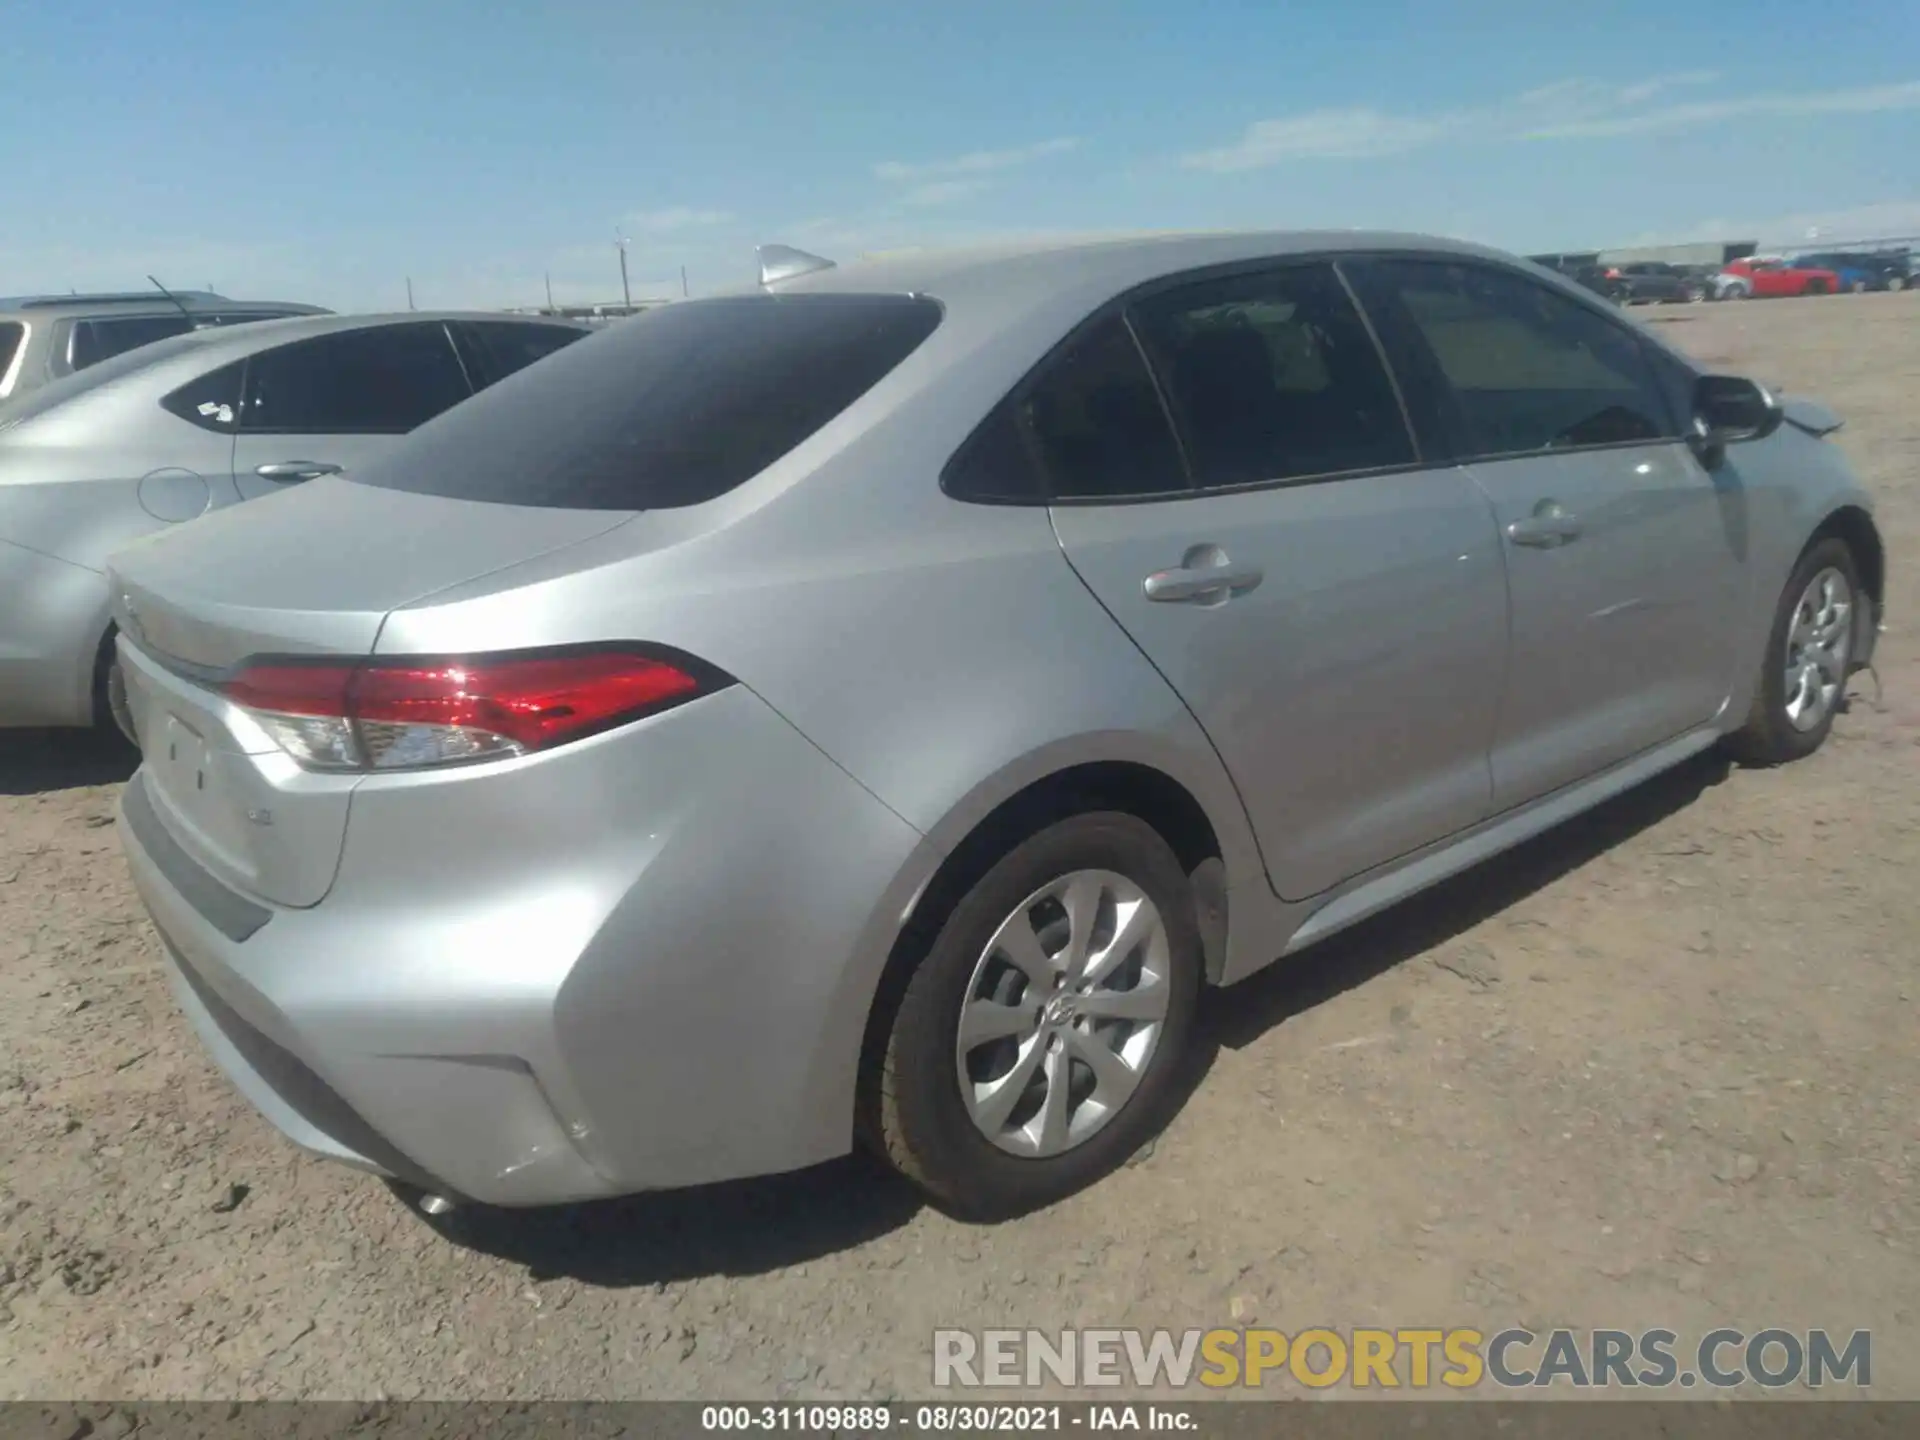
[1636,337]
[1123,305]
[243,429]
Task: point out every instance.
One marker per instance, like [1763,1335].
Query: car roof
[1118,262]
[197,302]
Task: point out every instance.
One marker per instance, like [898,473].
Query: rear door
[1624,558]
[330,403]
[1330,607]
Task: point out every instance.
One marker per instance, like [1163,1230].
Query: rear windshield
[672,407]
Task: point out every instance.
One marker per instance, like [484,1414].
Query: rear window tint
[672,407]
[97,340]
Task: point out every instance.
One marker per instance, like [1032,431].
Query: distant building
[1714,253]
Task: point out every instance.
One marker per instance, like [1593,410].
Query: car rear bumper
[550,1011]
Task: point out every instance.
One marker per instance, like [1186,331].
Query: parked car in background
[161,434]
[873,707]
[43,337]
[1859,271]
[1772,275]
[1643,282]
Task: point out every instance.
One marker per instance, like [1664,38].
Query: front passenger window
[1527,368]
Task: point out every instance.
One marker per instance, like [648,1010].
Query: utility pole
[410,304]
[550,293]
[683,282]
[626,292]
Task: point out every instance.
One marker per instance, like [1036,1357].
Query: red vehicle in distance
[1769,275]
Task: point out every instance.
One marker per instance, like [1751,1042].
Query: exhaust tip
[436,1205]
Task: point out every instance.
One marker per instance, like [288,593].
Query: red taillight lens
[412,712]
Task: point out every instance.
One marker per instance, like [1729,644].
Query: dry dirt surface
[1657,1069]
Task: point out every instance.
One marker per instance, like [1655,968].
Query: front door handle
[1548,526]
[297,470]
[1205,576]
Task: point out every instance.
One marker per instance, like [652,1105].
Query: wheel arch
[1853,526]
[1213,848]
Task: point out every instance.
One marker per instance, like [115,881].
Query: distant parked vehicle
[1772,275]
[43,337]
[1860,271]
[166,432]
[1653,282]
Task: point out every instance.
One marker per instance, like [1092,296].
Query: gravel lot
[1657,1069]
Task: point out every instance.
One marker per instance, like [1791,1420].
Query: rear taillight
[411,712]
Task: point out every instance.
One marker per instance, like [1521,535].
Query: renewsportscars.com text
[1416,1359]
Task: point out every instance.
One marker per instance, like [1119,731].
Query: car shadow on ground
[37,762]
[1237,1017]
[754,1226]
[744,1227]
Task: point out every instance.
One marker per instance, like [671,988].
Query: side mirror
[1730,408]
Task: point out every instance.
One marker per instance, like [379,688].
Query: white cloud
[1864,100]
[977,162]
[1349,134]
[1565,109]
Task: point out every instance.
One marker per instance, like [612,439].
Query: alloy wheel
[1819,642]
[1063,1013]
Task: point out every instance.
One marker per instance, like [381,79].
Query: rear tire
[1791,722]
[933,1090]
[1896,282]
[111,717]
[1860,287]
[1816,287]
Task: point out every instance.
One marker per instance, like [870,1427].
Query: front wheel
[1038,1043]
[1896,282]
[1803,677]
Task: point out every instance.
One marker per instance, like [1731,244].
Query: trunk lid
[313,571]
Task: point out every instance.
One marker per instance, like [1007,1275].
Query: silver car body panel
[514,973]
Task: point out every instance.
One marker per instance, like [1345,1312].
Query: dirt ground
[1656,1069]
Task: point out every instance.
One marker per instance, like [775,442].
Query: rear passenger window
[1096,421]
[212,402]
[92,341]
[1528,369]
[495,349]
[383,380]
[1273,376]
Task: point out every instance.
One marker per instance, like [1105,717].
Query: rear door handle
[297,469]
[1204,583]
[1548,526]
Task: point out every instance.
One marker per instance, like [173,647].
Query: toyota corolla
[870,708]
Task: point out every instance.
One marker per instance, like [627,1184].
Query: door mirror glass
[1727,408]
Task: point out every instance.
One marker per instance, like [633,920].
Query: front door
[1624,558]
[1332,611]
[327,404]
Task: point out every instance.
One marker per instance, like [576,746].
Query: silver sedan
[159,435]
[872,707]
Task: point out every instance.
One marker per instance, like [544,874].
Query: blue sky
[329,152]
